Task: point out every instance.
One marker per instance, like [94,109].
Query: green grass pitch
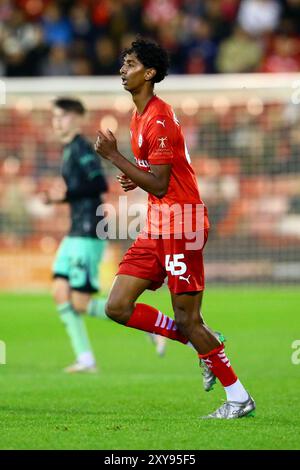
[141,401]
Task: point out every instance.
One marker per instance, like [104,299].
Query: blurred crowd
[245,156]
[85,37]
[261,138]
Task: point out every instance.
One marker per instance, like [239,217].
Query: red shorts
[177,259]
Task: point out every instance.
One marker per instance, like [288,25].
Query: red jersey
[157,139]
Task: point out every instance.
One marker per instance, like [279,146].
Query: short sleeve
[161,137]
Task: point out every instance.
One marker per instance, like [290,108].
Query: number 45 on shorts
[175,266]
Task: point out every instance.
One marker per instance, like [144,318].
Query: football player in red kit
[176,230]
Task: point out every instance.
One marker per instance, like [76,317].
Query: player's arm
[155,182]
[93,170]
[93,181]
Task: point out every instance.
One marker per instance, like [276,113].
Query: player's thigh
[95,250]
[125,291]
[187,307]
[61,265]
[142,261]
[184,263]
[84,258]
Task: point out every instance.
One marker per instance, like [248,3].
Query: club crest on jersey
[140,141]
[162,142]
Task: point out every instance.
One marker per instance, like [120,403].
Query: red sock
[150,319]
[219,363]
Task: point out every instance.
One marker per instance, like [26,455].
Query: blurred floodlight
[48,245]
[221,104]
[37,208]
[24,105]
[34,7]
[123,104]
[11,166]
[255,106]
[109,122]
[189,106]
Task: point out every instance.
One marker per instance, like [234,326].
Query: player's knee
[79,307]
[80,301]
[61,291]
[184,319]
[119,309]
[181,318]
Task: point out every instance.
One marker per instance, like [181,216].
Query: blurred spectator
[81,66]
[291,162]
[229,9]
[16,193]
[32,8]
[239,54]
[57,28]
[284,56]
[106,59]
[247,142]
[6,9]
[80,22]
[101,12]
[15,58]
[193,8]
[57,63]
[160,12]
[291,13]
[133,10]
[214,137]
[170,39]
[221,25]
[19,39]
[201,36]
[200,47]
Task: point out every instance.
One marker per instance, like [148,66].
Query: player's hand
[56,194]
[106,144]
[126,183]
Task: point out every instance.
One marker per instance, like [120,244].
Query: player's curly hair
[150,54]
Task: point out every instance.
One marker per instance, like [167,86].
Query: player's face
[132,73]
[64,122]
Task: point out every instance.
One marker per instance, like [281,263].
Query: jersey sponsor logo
[187,279]
[140,141]
[161,122]
[162,142]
